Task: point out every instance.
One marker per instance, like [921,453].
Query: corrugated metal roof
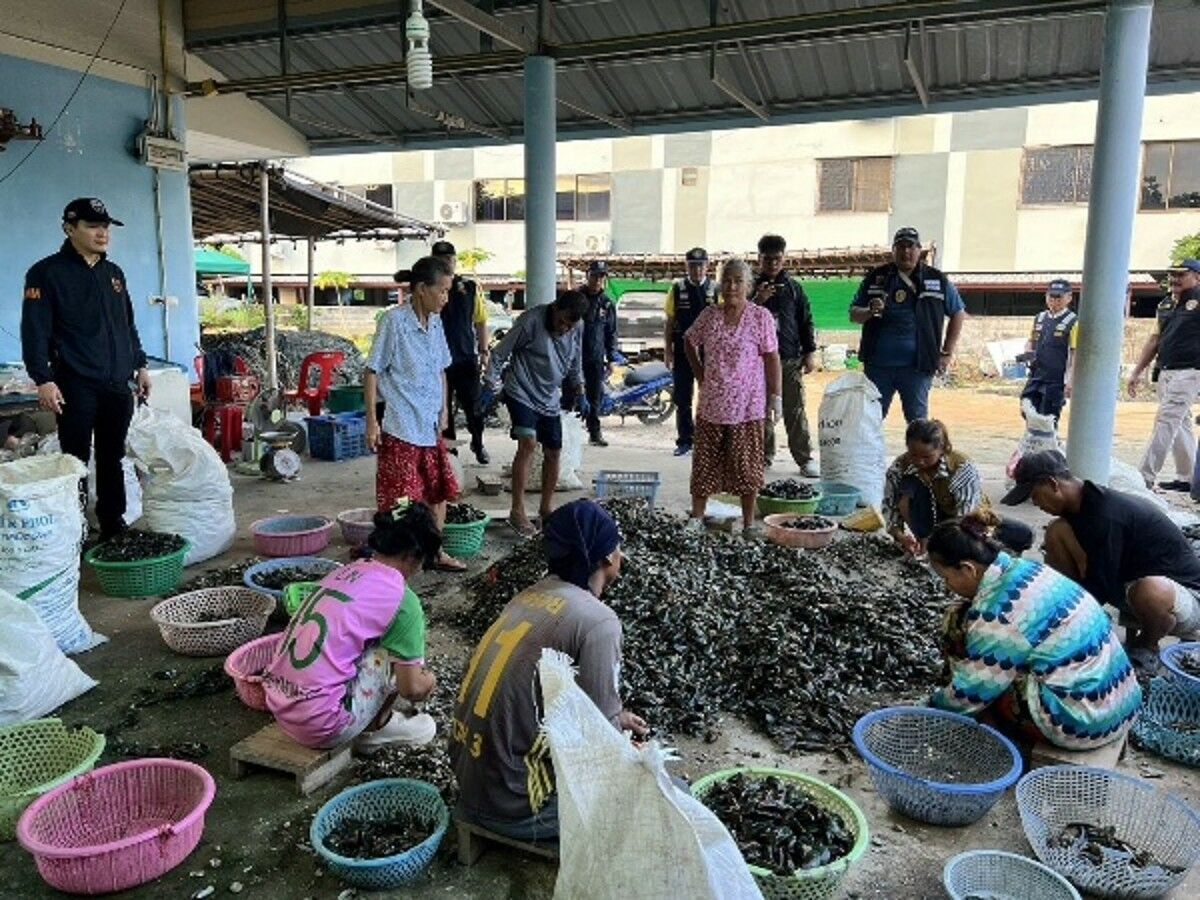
[1013,56]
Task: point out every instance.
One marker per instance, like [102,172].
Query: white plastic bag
[1128,480]
[624,829]
[35,677]
[570,460]
[133,487]
[41,529]
[185,486]
[1040,434]
[850,435]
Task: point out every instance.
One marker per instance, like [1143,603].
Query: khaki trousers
[795,422]
[1173,429]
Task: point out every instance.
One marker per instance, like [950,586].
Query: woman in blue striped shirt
[1029,645]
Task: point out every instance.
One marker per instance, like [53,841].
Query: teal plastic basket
[1170,722]
[465,540]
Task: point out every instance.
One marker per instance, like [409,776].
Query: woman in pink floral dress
[734,352]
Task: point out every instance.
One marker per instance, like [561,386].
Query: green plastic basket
[808,884]
[346,398]
[37,756]
[769,506]
[296,593]
[152,577]
[464,541]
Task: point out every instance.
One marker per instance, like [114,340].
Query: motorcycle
[642,389]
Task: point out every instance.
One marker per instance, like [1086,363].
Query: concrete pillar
[264,180]
[310,295]
[1111,212]
[540,135]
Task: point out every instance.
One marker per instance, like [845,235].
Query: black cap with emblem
[88,209]
[696,255]
[907,235]
[597,267]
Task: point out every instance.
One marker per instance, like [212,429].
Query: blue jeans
[912,385]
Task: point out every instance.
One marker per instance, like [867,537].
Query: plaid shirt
[965,486]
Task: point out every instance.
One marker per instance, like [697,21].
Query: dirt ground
[257,828]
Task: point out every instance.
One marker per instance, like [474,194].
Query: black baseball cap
[88,209]
[696,255]
[1032,468]
[907,234]
[1058,287]
[1188,265]
[597,267]
[442,248]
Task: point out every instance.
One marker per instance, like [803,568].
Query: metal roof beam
[619,124]
[733,92]
[487,23]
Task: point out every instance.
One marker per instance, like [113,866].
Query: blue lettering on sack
[17,505]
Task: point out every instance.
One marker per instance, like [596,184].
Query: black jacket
[793,316]
[599,329]
[77,320]
[458,321]
[1179,331]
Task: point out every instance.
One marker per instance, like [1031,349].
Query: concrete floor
[256,824]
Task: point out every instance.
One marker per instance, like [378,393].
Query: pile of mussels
[797,642]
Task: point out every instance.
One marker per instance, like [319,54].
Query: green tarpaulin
[213,262]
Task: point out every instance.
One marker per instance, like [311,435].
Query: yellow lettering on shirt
[549,602]
[33,293]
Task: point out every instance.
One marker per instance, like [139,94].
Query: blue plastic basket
[1170,705]
[1169,657]
[383,800]
[338,436]
[838,499]
[300,562]
[614,484]
[936,766]
[1004,876]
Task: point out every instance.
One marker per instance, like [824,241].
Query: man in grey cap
[464,320]
[686,299]
[1048,351]
[1176,344]
[911,316]
[81,347]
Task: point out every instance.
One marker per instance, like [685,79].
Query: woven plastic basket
[119,826]
[37,756]
[808,884]
[383,800]
[1141,813]
[1003,876]
[315,565]
[291,535]
[464,541]
[1170,722]
[935,766]
[1169,656]
[838,499]
[356,525]
[244,616]
[770,506]
[145,578]
[245,666]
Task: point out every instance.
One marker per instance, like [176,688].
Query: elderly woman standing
[734,352]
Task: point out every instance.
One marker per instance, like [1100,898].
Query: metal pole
[264,180]
[1111,212]
[311,289]
[540,125]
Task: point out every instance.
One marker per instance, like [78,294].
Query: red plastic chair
[306,392]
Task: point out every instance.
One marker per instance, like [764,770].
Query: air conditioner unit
[596,243]
[453,214]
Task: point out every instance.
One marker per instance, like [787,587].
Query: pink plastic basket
[291,535]
[119,826]
[245,666]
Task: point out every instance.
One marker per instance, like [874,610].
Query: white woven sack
[35,677]
[850,435]
[624,829]
[41,529]
[185,486]
[133,487]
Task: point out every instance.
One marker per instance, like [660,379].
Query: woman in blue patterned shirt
[1029,645]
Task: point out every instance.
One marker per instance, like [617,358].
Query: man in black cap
[599,344]
[686,299]
[903,307]
[1049,351]
[1123,549]
[81,348]
[1176,346]
[464,320]
[775,289]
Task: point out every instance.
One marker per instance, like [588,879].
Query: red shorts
[422,474]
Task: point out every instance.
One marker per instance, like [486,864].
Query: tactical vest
[1179,331]
[1051,339]
[690,301]
[931,285]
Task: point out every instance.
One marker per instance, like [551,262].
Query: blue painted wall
[88,154]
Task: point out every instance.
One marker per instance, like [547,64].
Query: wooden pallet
[473,840]
[270,748]
[1106,757]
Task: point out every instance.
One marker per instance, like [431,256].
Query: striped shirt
[963,486]
[1035,631]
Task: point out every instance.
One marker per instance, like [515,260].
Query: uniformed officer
[599,344]
[903,307]
[81,348]
[1049,349]
[686,299]
[1177,346]
[775,289]
[464,321]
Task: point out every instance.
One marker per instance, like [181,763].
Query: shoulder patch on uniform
[118,285]
[1191,305]
[33,293]
[932,284]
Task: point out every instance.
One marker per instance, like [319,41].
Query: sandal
[527,530]
[448,563]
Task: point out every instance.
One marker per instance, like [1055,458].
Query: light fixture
[420,60]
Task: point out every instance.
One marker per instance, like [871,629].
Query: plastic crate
[346,398]
[614,484]
[337,436]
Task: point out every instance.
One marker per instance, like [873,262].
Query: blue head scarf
[579,536]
